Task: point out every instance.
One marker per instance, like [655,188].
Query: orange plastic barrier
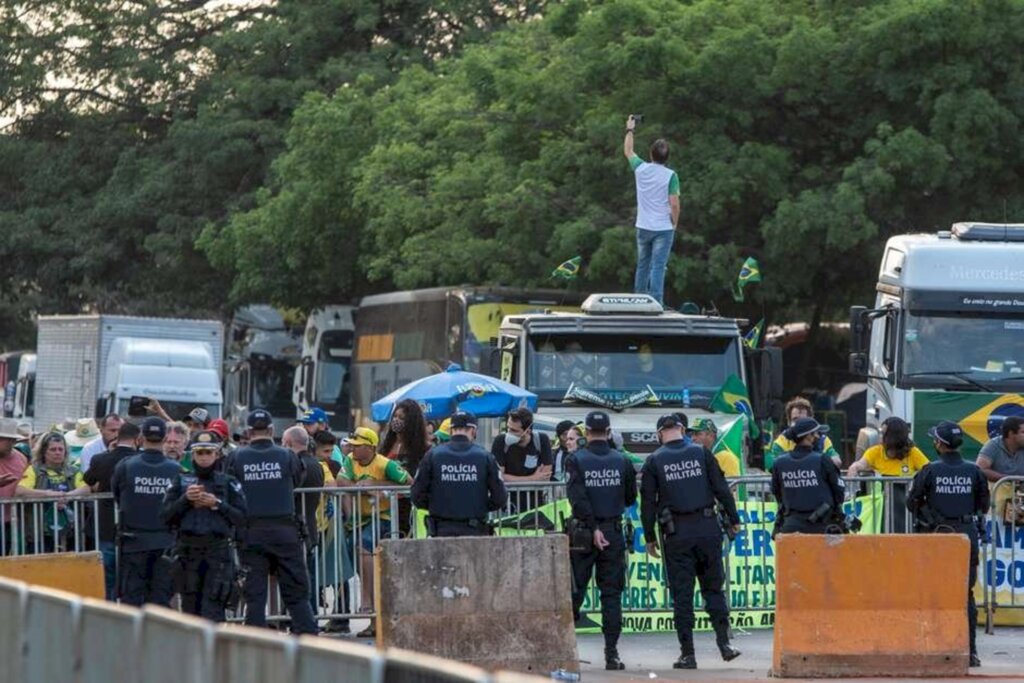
[871,605]
[79,573]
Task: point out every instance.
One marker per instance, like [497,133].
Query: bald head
[295,439]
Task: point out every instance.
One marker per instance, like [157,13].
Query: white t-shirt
[90,450]
[654,184]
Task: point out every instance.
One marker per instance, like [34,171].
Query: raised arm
[627,145]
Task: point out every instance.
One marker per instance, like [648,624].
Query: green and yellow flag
[753,336]
[750,272]
[569,269]
[733,399]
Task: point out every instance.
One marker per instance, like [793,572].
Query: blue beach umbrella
[441,394]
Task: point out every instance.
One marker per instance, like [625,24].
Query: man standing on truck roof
[657,213]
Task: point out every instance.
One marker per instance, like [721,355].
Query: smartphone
[137,406]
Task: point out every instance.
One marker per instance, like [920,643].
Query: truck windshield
[333,360]
[617,365]
[176,410]
[953,351]
[272,386]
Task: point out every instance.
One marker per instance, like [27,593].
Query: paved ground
[649,657]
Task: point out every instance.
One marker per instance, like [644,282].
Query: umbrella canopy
[441,394]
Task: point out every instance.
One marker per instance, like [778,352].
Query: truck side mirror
[859,364]
[860,329]
[494,361]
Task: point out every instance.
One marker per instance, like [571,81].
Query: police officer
[946,496]
[602,484]
[269,476]
[679,485]
[459,483]
[138,485]
[807,484]
[206,508]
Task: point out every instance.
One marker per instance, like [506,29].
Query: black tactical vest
[265,472]
[951,490]
[459,481]
[803,481]
[147,477]
[604,477]
[682,474]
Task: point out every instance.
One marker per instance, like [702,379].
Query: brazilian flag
[569,269]
[753,336]
[733,399]
[750,272]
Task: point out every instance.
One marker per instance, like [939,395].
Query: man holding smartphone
[657,213]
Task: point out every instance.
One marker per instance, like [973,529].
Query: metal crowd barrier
[1001,563]
[351,520]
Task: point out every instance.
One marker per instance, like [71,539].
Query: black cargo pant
[204,578]
[689,559]
[280,552]
[609,568]
[971,532]
[799,522]
[146,577]
[447,528]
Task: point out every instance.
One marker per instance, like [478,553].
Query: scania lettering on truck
[89,365]
[625,354]
[945,339]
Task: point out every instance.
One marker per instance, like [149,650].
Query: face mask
[397,425]
[512,439]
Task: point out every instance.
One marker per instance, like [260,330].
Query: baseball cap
[598,421]
[313,416]
[443,432]
[205,439]
[463,420]
[683,420]
[703,424]
[259,419]
[670,421]
[219,427]
[198,415]
[948,433]
[153,429]
[807,425]
[363,436]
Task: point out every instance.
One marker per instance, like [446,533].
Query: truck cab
[627,355]
[323,379]
[945,338]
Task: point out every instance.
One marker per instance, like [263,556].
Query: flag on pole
[753,336]
[733,399]
[750,272]
[569,269]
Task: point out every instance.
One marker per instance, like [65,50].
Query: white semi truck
[945,338]
[89,365]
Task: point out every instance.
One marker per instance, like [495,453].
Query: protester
[705,432]
[206,510]
[13,464]
[431,433]
[109,426]
[98,477]
[1003,455]
[523,456]
[219,426]
[51,475]
[657,213]
[896,456]
[138,485]
[175,443]
[324,445]
[309,505]
[406,442]
[197,419]
[84,432]
[568,436]
[315,421]
[797,408]
[365,467]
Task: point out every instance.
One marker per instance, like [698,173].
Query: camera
[137,406]
[637,118]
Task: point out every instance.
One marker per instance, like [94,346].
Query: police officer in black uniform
[602,484]
[459,483]
[679,485]
[806,484]
[948,495]
[206,508]
[269,476]
[138,485]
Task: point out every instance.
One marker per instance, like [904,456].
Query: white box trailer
[75,378]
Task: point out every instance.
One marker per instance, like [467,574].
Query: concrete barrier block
[251,655]
[479,600]
[321,660]
[405,666]
[175,647]
[13,599]
[78,573]
[51,635]
[831,622]
[110,642]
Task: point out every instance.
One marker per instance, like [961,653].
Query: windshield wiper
[962,376]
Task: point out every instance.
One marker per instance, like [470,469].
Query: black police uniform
[459,483]
[953,491]
[138,485]
[602,484]
[269,476]
[809,490]
[205,563]
[680,483]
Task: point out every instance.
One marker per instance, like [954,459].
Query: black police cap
[153,429]
[463,420]
[670,421]
[598,421]
[259,419]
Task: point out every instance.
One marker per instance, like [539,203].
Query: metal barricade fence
[1002,569]
[350,521]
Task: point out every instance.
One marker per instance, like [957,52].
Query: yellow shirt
[729,463]
[29,479]
[887,467]
[380,469]
[322,522]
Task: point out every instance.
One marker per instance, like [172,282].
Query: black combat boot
[975,660]
[729,653]
[685,661]
[612,661]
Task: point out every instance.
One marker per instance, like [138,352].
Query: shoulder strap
[537,441]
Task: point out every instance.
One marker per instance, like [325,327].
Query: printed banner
[1004,571]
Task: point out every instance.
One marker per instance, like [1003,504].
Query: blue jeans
[652,250]
[108,549]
